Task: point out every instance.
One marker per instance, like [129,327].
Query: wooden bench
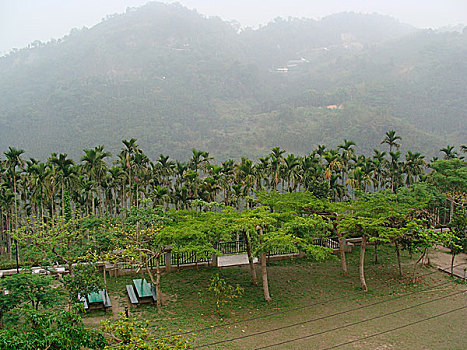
[154,294]
[83,300]
[131,294]
[106,299]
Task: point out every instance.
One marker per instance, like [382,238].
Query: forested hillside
[175,80]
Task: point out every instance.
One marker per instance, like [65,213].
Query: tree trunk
[16,218]
[453,256]
[250,259]
[8,225]
[101,196]
[341,250]
[129,191]
[137,196]
[451,211]
[63,199]
[415,265]
[264,270]
[362,264]
[155,282]
[398,254]
[42,210]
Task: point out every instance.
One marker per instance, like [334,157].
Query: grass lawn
[309,294]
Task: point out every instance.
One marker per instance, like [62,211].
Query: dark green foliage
[83,281]
[458,226]
[54,330]
[131,334]
[28,289]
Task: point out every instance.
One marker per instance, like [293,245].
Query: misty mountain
[175,79]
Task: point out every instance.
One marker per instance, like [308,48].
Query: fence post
[168,258]
[214,260]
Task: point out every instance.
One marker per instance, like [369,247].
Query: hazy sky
[23,21]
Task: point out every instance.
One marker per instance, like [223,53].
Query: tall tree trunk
[8,225]
[362,264]
[451,211]
[341,250]
[398,254]
[16,218]
[2,230]
[129,190]
[250,259]
[101,196]
[115,210]
[42,209]
[124,200]
[415,265]
[453,256]
[156,281]
[137,196]
[63,199]
[264,270]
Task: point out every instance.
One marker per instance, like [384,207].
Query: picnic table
[100,298]
[145,292]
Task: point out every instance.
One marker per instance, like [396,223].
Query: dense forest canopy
[175,79]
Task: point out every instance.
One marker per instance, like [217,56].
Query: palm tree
[395,168]
[414,167]
[117,179]
[166,168]
[261,171]
[358,179]
[180,171]
[449,152]
[6,210]
[127,153]
[347,153]
[160,195]
[291,168]
[391,139]
[245,175]
[334,163]
[199,160]
[320,150]
[95,167]
[14,161]
[275,163]
[379,163]
[141,173]
[39,174]
[226,179]
[65,173]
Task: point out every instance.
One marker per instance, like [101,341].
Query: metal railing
[232,247]
[178,259]
[187,258]
[330,242]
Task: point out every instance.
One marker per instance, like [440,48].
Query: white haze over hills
[25,21]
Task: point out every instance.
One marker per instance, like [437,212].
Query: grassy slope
[301,283]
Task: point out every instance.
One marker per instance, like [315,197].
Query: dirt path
[441,258]
[118,306]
